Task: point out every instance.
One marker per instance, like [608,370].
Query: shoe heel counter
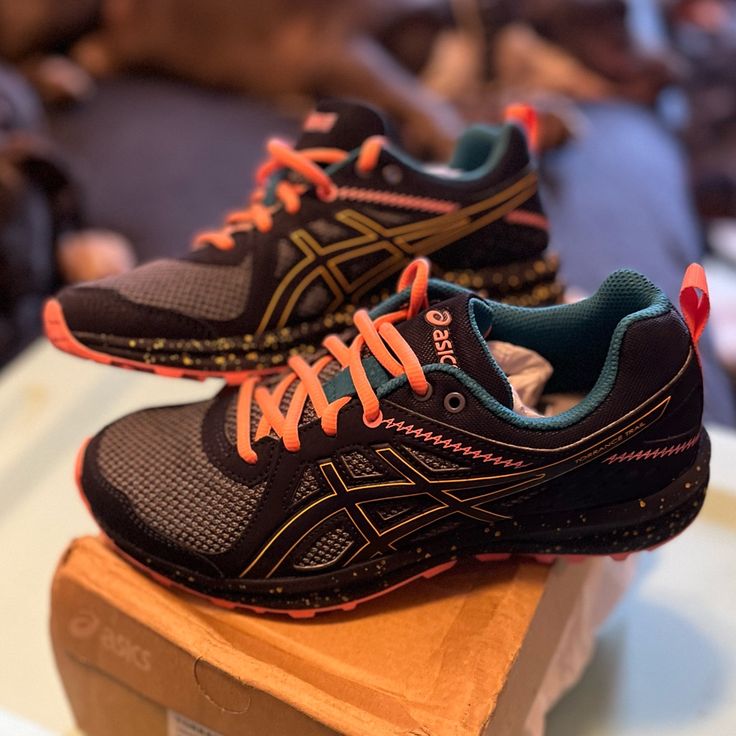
[528,221]
[515,156]
[674,368]
[686,404]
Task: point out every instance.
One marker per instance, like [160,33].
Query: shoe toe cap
[154,490]
[99,310]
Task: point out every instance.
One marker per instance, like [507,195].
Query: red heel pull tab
[695,300]
[526,117]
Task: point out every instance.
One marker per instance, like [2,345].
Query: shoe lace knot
[378,336]
[309,164]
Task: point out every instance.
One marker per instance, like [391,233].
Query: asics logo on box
[123,647]
[86,624]
[442,342]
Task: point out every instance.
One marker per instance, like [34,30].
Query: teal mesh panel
[582,341]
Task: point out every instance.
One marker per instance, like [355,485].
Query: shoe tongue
[341,124]
[454,333]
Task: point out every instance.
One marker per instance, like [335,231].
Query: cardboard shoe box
[481,649]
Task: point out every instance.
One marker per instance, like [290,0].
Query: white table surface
[666,663]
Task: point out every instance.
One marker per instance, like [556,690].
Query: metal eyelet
[426,395]
[373,423]
[327,195]
[392,174]
[454,402]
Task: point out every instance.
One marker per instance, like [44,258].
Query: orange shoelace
[305,162]
[381,338]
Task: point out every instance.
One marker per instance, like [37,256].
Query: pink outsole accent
[493,557]
[306,613]
[530,219]
[61,337]
[78,464]
[545,559]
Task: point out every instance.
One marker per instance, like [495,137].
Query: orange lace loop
[416,273]
[369,153]
[379,336]
[306,163]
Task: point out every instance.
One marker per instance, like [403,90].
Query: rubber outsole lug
[493,557]
[61,337]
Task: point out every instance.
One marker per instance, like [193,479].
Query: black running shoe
[390,459]
[332,223]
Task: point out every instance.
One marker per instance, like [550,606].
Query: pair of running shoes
[354,451]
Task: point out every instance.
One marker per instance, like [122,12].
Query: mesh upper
[327,544]
[394,508]
[326,549]
[358,465]
[328,231]
[308,485]
[287,256]
[201,291]
[313,301]
[435,462]
[384,514]
[156,458]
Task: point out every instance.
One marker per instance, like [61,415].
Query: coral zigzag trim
[393,199]
[448,444]
[625,457]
